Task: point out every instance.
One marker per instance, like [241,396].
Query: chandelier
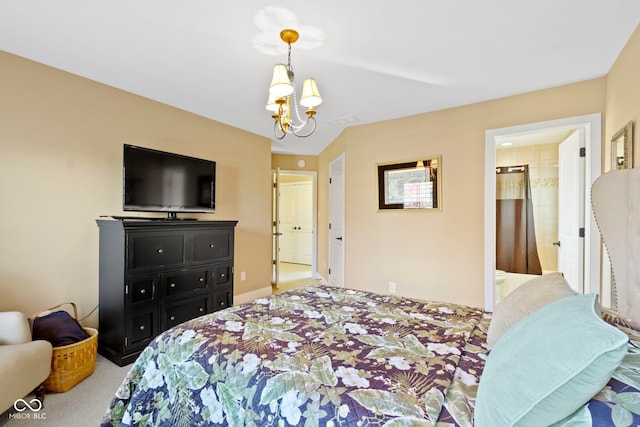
[281,93]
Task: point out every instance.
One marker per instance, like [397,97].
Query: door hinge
[329,226]
[583,152]
[329,180]
[581,232]
[329,271]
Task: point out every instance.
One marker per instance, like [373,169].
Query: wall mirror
[410,185]
[622,148]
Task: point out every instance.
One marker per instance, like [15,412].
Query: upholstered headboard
[615,198]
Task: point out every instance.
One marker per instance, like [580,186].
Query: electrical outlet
[392,287]
[243,275]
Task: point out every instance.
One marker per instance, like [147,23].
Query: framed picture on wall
[410,185]
[622,148]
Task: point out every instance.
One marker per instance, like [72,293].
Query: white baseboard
[251,295]
[321,279]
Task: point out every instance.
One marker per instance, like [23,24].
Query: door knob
[339,238]
[557,243]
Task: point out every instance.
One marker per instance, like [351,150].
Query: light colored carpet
[294,276]
[82,406]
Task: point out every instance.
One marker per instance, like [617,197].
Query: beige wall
[433,255]
[290,162]
[623,97]
[61,142]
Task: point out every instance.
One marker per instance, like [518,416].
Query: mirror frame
[622,140]
[392,176]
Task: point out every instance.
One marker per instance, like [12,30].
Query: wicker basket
[72,363]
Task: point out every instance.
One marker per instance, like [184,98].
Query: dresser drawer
[222,299]
[141,328]
[178,283]
[222,275]
[152,251]
[183,310]
[212,245]
[141,289]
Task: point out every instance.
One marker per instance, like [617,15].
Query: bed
[338,357]
[331,356]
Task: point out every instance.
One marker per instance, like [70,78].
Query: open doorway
[589,129]
[294,220]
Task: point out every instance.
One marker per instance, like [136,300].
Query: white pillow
[14,328]
[524,300]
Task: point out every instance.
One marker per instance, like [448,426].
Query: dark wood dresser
[155,274]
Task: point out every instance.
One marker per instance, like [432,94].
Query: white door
[296,222]
[305,223]
[336,221]
[288,222]
[571,210]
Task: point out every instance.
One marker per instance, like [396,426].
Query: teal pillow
[548,364]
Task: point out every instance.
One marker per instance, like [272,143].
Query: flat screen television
[157,181]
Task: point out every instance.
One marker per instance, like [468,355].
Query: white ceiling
[373,60]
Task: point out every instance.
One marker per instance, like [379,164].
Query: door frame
[592,126]
[314,214]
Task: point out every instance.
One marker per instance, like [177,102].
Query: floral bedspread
[326,356]
[313,356]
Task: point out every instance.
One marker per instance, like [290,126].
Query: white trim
[322,280]
[251,295]
[592,125]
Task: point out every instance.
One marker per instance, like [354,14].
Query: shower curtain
[516,249]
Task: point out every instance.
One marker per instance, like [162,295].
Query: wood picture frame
[412,185]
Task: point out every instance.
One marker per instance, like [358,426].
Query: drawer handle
[173,285]
[222,275]
[212,246]
[142,327]
[142,291]
[160,250]
[201,309]
[173,317]
[222,304]
[201,279]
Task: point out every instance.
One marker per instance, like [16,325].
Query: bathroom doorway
[539,144]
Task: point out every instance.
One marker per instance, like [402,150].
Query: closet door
[296,223]
[288,202]
[304,214]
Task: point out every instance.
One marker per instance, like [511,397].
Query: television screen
[157,181]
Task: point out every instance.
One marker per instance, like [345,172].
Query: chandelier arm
[276,127]
[309,119]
